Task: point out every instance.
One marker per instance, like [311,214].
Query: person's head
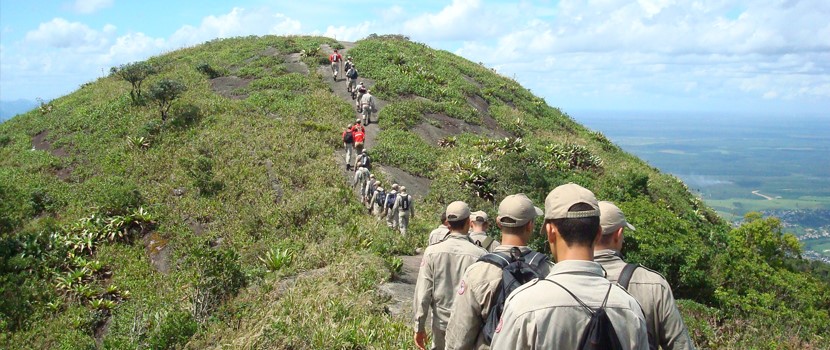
[516,217]
[572,219]
[444,218]
[403,189]
[335,50]
[379,189]
[479,221]
[371,176]
[395,187]
[613,223]
[349,127]
[364,151]
[458,217]
[349,58]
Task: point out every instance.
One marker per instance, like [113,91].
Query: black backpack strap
[627,273]
[498,259]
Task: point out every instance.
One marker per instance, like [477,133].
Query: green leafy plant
[207,70]
[164,93]
[276,259]
[476,174]
[138,142]
[135,73]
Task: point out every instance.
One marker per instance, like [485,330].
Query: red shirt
[357,127]
[335,57]
[359,136]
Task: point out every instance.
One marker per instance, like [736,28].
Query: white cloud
[347,33]
[238,22]
[62,34]
[90,6]
[462,19]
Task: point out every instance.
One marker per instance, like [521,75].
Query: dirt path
[402,287]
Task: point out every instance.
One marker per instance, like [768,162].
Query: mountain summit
[199,199]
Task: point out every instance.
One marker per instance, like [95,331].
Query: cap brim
[539,211]
[630,226]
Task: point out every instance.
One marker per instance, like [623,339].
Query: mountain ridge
[240,188]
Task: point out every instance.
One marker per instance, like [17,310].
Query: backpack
[352,74]
[486,243]
[404,203]
[334,58]
[599,333]
[366,162]
[390,200]
[348,65]
[379,200]
[517,269]
[348,137]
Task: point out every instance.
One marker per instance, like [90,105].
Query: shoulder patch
[462,287]
[498,328]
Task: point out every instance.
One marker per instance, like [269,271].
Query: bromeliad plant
[477,175]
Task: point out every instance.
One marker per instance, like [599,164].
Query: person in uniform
[546,314]
[348,144]
[377,202]
[440,232]
[479,223]
[367,106]
[404,207]
[442,266]
[665,325]
[361,176]
[369,189]
[478,288]
[391,215]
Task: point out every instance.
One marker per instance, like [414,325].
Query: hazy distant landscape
[777,165]
[10,109]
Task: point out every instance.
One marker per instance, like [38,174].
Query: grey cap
[519,209]
[371,176]
[612,218]
[394,186]
[457,211]
[563,197]
[479,216]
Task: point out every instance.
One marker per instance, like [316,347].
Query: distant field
[726,157]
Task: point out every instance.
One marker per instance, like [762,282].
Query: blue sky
[706,55]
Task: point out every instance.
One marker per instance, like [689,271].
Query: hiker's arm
[465,320]
[673,332]
[423,294]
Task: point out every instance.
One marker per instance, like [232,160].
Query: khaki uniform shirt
[442,267]
[542,315]
[479,237]
[397,206]
[665,325]
[367,100]
[472,303]
[438,234]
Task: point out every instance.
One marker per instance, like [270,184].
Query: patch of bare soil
[40,142]
[452,126]
[270,51]
[158,251]
[417,186]
[470,80]
[227,86]
[294,64]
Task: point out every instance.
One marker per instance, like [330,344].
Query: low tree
[164,92]
[135,73]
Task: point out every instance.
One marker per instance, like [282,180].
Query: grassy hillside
[231,225]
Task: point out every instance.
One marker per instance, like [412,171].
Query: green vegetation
[228,222]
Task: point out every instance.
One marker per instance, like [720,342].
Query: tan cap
[394,186]
[519,209]
[457,211]
[403,188]
[612,218]
[371,176]
[380,189]
[563,197]
[479,216]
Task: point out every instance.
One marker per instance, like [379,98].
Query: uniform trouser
[334,67]
[378,210]
[349,150]
[366,111]
[352,84]
[359,181]
[403,221]
[438,338]
[391,218]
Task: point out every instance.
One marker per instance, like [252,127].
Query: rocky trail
[402,287]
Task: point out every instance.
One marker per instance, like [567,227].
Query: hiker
[361,89]
[371,186]
[348,64]
[351,74]
[405,209]
[335,59]
[441,270]
[478,231]
[349,143]
[479,289]
[665,325]
[378,202]
[389,204]
[361,175]
[575,300]
[359,138]
[440,232]
[367,106]
[363,159]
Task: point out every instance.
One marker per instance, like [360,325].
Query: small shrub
[173,331]
[135,73]
[218,277]
[476,175]
[207,70]
[164,93]
[5,140]
[138,142]
[185,115]
[275,259]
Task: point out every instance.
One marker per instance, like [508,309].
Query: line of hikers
[485,294]
[364,101]
[395,205]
